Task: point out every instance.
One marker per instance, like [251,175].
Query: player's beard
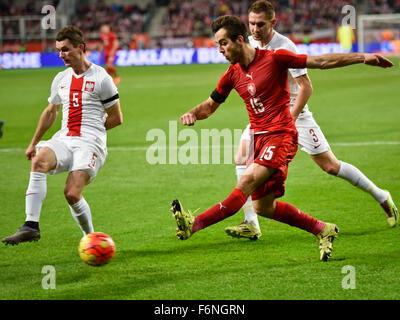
[235,54]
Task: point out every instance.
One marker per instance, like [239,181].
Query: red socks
[290,215]
[220,211]
[284,212]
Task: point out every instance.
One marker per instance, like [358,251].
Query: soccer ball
[96,249]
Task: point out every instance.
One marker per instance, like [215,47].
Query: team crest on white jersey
[89,86]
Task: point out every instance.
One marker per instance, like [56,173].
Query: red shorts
[274,151]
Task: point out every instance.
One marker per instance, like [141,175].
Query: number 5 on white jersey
[75,99]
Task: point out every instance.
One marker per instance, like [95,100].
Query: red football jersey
[264,88]
[108,40]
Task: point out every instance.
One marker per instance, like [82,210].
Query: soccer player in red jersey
[110,46]
[262,19]
[261,79]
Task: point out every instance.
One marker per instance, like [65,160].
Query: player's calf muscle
[265,206]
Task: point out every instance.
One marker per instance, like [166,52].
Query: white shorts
[75,153]
[311,138]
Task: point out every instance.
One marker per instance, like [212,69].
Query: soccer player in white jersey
[90,106]
[311,139]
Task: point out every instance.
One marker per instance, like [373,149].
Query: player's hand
[30,152]
[188,119]
[377,60]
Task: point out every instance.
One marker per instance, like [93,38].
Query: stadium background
[357,108]
[157,25]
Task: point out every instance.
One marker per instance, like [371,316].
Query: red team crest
[251,88]
[89,86]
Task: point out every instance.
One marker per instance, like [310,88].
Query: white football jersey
[279,41]
[85,98]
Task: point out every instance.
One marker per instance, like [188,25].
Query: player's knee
[328,162]
[72,195]
[247,184]
[265,211]
[330,168]
[40,164]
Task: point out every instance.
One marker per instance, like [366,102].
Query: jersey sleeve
[54,96]
[109,92]
[223,89]
[290,46]
[290,60]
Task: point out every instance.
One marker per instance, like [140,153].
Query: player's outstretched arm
[200,112]
[47,118]
[114,116]
[337,60]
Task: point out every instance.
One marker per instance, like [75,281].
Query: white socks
[81,213]
[35,194]
[358,179]
[249,215]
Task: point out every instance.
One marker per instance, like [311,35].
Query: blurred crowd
[187,18]
[9,8]
[125,20]
[383,6]
[128,18]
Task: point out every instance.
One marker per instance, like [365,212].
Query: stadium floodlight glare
[370,26]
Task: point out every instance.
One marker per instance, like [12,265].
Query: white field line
[143,148]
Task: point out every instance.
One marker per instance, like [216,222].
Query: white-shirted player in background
[311,139]
[90,106]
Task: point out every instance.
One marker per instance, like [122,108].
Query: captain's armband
[217,97]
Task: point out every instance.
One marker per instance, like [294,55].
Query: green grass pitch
[357,108]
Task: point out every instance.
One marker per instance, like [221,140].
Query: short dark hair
[73,34]
[233,25]
[263,6]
